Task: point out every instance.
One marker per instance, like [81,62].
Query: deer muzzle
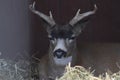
[59,53]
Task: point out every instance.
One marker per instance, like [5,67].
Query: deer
[63,47]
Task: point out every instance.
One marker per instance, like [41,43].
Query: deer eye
[71,38]
[51,38]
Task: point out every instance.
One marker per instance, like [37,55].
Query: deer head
[63,37]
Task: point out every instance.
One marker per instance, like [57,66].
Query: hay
[80,73]
[12,70]
[21,70]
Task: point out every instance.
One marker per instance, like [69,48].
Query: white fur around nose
[60,45]
[62,61]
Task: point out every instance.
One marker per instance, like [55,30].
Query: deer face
[63,38]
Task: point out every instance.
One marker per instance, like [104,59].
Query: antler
[79,16]
[48,19]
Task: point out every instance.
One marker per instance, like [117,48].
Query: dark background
[21,31]
[103,27]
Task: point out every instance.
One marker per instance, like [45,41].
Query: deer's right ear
[79,21]
[79,26]
[49,21]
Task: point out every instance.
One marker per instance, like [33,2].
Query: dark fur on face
[62,31]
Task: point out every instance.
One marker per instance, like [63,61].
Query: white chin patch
[62,61]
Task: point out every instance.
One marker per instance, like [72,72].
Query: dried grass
[14,70]
[21,70]
[80,73]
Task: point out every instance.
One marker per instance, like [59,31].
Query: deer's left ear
[79,21]
[79,26]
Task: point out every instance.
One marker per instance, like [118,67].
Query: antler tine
[48,19]
[79,16]
[50,13]
[78,12]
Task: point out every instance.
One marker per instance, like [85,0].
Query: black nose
[59,53]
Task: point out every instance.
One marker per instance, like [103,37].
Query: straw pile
[80,73]
[21,70]
[11,70]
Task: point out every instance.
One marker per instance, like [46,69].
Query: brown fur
[99,56]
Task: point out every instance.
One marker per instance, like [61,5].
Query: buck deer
[63,47]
